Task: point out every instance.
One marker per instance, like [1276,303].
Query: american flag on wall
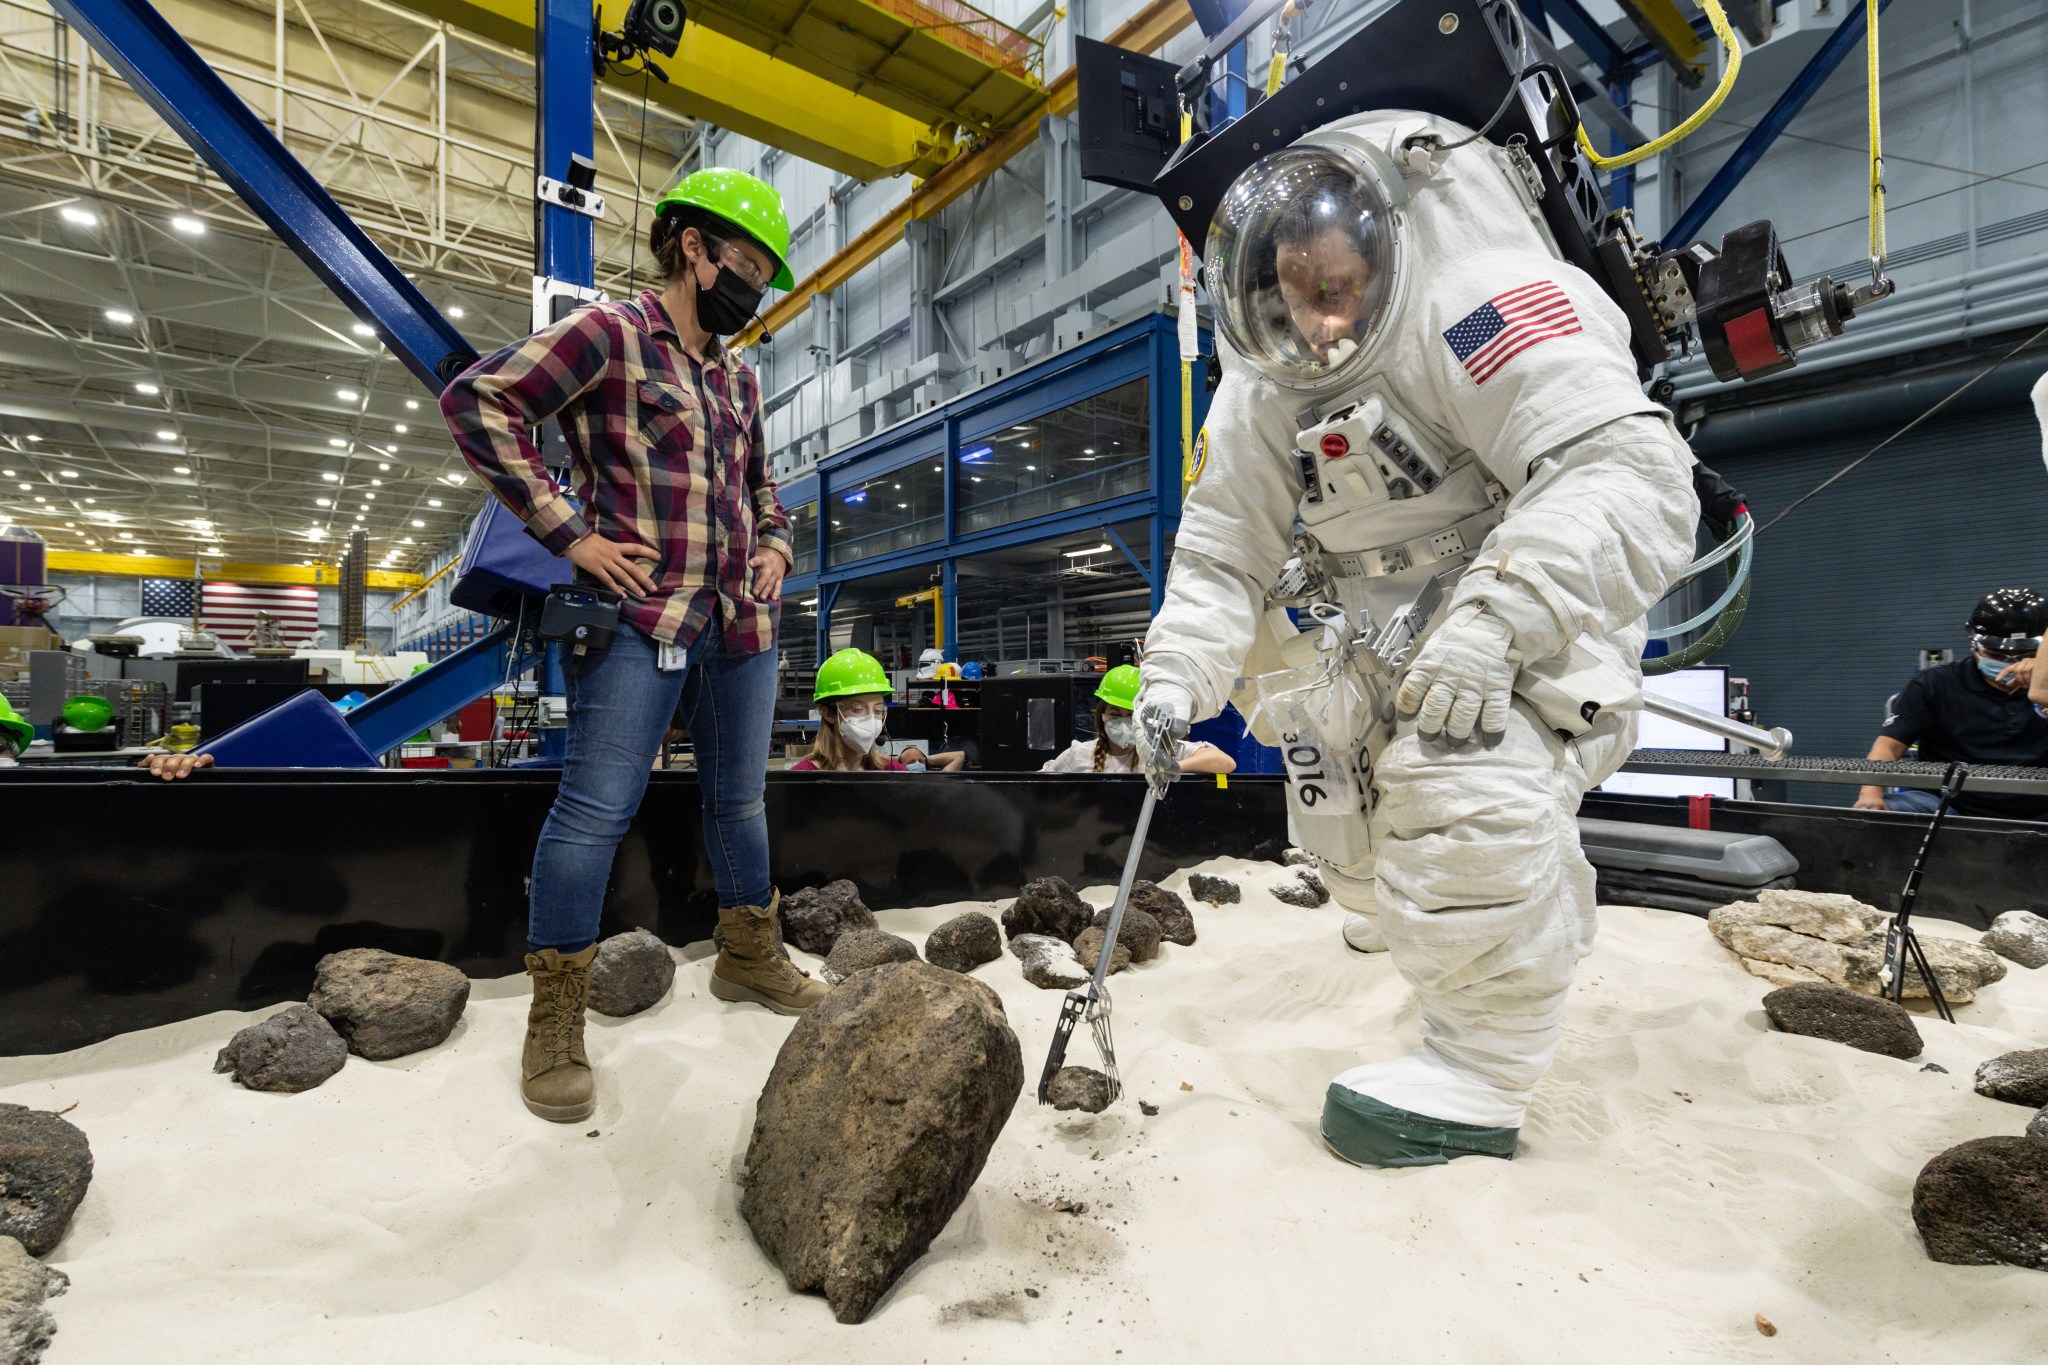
[229,610]
[1508,324]
[167,597]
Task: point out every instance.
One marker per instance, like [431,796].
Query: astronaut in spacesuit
[1433,423]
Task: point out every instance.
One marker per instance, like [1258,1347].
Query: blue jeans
[1915,799]
[620,704]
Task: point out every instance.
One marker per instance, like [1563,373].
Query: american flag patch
[1508,324]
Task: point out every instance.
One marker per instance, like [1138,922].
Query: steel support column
[565,126]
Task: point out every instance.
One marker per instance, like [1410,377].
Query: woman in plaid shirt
[673,508]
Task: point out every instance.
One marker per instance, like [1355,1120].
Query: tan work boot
[554,1070]
[751,966]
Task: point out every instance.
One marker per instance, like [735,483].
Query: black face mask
[728,305]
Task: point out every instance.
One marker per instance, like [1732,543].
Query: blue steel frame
[1147,348]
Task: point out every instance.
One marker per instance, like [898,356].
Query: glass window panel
[1085,453]
[899,510]
[803,533]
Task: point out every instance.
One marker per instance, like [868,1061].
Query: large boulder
[1215,890]
[1139,934]
[293,1050]
[875,1122]
[2016,1078]
[1048,906]
[1985,1202]
[813,918]
[386,1006]
[631,972]
[45,1165]
[1789,937]
[1088,949]
[2019,936]
[1049,963]
[25,1325]
[1176,924]
[964,942]
[859,949]
[1840,1015]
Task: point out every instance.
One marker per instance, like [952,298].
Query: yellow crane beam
[230,571]
[727,82]
[1145,32]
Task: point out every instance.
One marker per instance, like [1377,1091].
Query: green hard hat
[749,204]
[850,673]
[14,730]
[87,713]
[1119,687]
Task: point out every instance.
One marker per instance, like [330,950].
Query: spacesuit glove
[1464,675]
[1162,715]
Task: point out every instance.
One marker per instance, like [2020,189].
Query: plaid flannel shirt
[669,454]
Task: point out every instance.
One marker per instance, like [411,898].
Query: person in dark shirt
[1975,710]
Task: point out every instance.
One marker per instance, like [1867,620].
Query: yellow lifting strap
[1877,243]
[1276,70]
[1692,123]
[1189,342]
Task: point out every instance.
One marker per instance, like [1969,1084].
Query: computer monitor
[1704,689]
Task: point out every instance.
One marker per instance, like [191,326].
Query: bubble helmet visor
[1301,262]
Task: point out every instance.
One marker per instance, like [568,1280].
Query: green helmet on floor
[1119,687]
[748,203]
[850,673]
[15,733]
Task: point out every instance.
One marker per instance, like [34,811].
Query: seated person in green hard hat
[1115,746]
[15,733]
[852,695]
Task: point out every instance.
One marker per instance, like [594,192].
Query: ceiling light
[315,533]
[90,501]
[363,329]
[167,435]
[41,498]
[331,477]
[188,225]
[412,404]
[433,502]
[371,496]
[975,477]
[401,428]
[120,315]
[1088,450]
[25,487]
[8,472]
[127,535]
[35,438]
[406,541]
[324,502]
[452,478]
[347,395]
[456,310]
[378,483]
[1031,468]
[71,213]
[358,518]
[145,387]
[418,525]
[138,552]
[384,468]
[389,450]
[68,473]
[181,468]
[1091,550]
[337,442]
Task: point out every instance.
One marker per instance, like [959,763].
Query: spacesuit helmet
[1300,260]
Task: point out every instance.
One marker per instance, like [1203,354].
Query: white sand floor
[1684,1170]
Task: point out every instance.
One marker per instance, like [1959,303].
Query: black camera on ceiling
[655,25]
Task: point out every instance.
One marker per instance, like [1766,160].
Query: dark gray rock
[2019,936]
[1215,890]
[1088,948]
[1841,1015]
[1935,1066]
[875,1122]
[813,918]
[632,971]
[1139,934]
[1300,857]
[1048,906]
[1078,1087]
[25,1324]
[2016,1078]
[45,1165]
[1985,1202]
[386,1006]
[963,943]
[1306,890]
[1176,925]
[293,1050]
[1049,963]
[2037,1126]
[859,949]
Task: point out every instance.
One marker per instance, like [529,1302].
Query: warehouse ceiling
[173,380]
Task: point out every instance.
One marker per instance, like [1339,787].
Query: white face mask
[861,731]
[1122,733]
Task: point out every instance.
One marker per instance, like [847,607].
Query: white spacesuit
[1417,384]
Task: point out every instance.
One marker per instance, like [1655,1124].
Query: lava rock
[1140,933]
[1840,1015]
[1048,906]
[1088,948]
[859,949]
[2019,936]
[1791,937]
[1215,890]
[2037,1126]
[1300,857]
[1936,1067]
[293,1050]
[25,1283]
[963,943]
[1049,963]
[631,972]
[1985,1202]
[813,918]
[1306,890]
[875,1122]
[386,1006]
[1176,924]
[45,1165]
[2016,1078]
[1078,1087]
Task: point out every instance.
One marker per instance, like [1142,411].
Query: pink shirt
[810,765]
